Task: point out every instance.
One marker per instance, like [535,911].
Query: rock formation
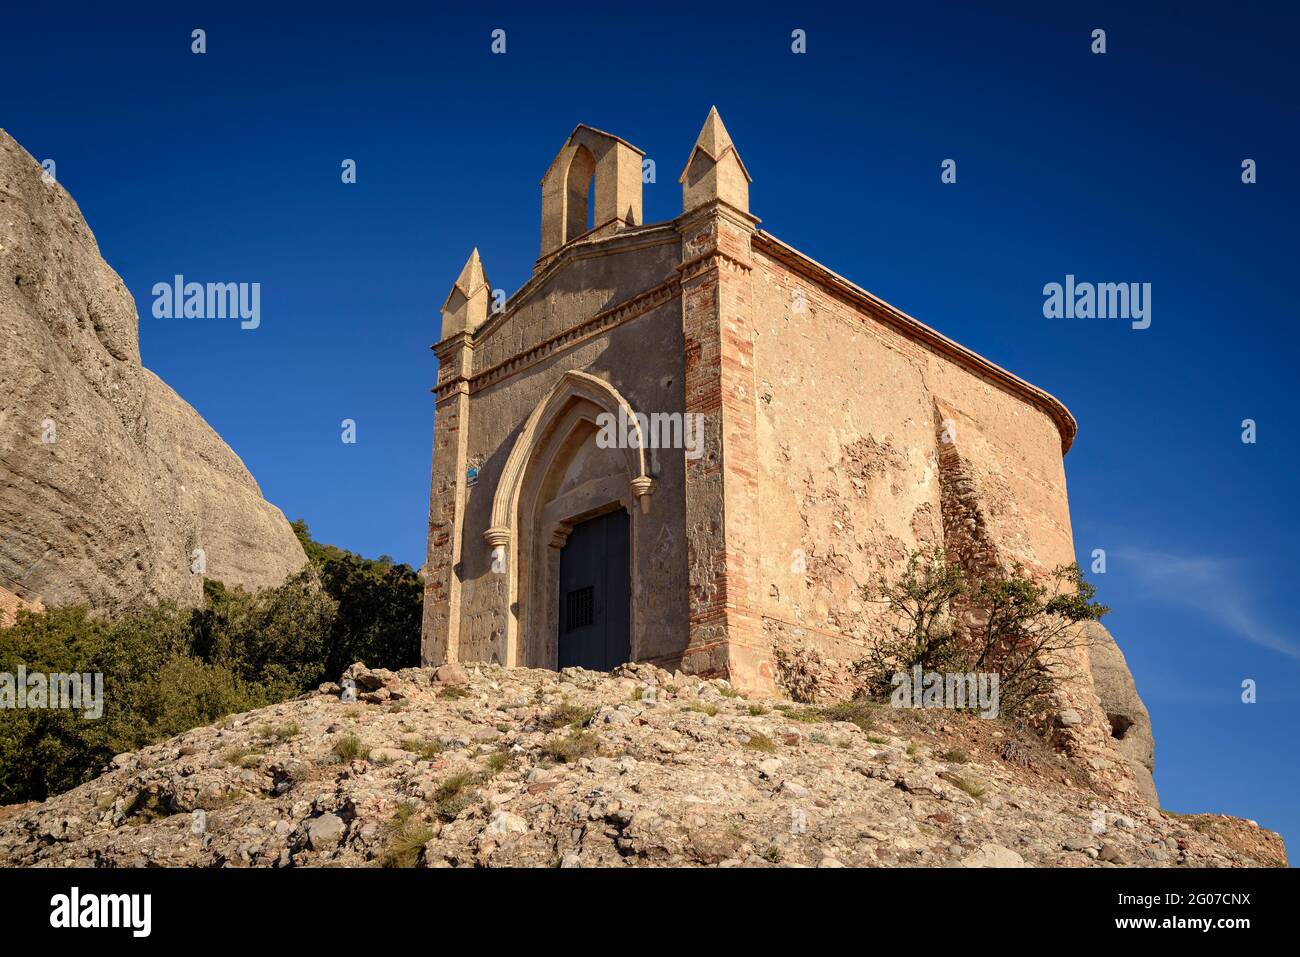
[477,765]
[109,481]
[1130,723]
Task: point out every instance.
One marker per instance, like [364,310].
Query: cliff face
[109,481]
[483,766]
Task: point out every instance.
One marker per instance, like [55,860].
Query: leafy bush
[760,742]
[1015,626]
[153,688]
[167,669]
[380,607]
[349,748]
[276,638]
[576,746]
[922,631]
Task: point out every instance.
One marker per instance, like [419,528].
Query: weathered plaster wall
[1014,452]
[849,415]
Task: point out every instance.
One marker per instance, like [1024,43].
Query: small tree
[380,606]
[1021,629]
[921,631]
[1024,631]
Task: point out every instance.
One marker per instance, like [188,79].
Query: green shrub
[407,836]
[349,748]
[857,711]
[167,669]
[578,745]
[153,688]
[279,733]
[1017,625]
[970,786]
[428,750]
[568,715]
[453,795]
[380,606]
[242,756]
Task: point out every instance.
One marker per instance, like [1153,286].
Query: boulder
[989,854]
[325,832]
[502,823]
[1130,723]
[452,673]
[365,679]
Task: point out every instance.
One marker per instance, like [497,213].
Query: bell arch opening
[580,185]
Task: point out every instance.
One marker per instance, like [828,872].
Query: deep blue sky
[1122,167]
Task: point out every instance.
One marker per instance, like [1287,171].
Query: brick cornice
[716,208]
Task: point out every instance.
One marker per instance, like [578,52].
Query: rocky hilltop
[482,766]
[108,480]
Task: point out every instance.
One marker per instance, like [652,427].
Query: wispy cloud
[1215,586]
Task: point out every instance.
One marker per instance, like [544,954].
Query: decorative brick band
[601,322]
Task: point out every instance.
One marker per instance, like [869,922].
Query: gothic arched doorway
[560,481]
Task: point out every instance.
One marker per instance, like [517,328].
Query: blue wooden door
[595,585]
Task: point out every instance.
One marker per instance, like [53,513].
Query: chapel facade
[788,438]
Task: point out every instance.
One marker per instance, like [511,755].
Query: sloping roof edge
[915,329]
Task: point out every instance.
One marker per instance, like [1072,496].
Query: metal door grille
[580,608]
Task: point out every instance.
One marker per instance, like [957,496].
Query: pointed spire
[715,141]
[467,304]
[715,169]
[471,277]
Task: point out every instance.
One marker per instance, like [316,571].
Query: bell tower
[592,185]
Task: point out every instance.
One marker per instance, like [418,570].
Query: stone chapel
[838,433]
